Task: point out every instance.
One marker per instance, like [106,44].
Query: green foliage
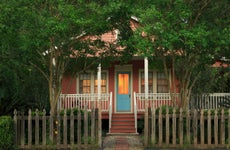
[180,34]
[164,108]
[6,132]
[33,34]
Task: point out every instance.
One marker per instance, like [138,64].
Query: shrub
[6,132]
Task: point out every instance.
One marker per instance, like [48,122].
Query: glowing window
[84,83]
[123,83]
[103,83]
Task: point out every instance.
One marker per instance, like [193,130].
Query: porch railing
[197,101]
[209,101]
[82,101]
[154,100]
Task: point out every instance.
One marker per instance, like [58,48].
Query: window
[84,83]
[88,83]
[162,83]
[150,82]
[103,83]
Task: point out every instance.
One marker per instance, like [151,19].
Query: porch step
[123,123]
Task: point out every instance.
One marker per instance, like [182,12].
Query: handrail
[135,110]
[68,101]
[110,111]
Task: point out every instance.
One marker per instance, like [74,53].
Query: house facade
[122,91]
[120,83]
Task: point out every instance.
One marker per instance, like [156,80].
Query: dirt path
[122,143]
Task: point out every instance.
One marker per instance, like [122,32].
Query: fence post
[202,126]
[153,117]
[146,127]
[93,124]
[44,128]
[58,126]
[167,126]
[36,127]
[99,124]
[209,130]
[72,128]
[86,133]
[222,132]
[22,137]
[65,129]
[16,128]
[174,126]
[79,128]
[181,127]
[29,129]
[188,118]
[216,128]
[51,135]
[160,126]
[194,126]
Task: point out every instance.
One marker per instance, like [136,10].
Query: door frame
[128,69]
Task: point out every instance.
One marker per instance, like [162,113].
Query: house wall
[68,84]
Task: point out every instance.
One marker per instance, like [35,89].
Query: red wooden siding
[68,84]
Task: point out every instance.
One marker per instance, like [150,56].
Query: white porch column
[146,78]
[146,100]
[99,81]
[99,105]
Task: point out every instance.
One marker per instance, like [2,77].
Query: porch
[156,100]
[126,122]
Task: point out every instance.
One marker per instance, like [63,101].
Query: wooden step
[123,123]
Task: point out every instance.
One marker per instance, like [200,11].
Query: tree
[184,35]
[57,36]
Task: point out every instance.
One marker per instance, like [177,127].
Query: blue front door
[123,92]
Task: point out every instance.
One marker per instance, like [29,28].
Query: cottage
[122,91]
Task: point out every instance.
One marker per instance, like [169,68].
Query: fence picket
[79,128]
[65,129]
[58,129]
[167,126]
[22,137]
[16,127]
[194,126]
[29,129]
[51,134]
[181,127]
[216,128]
[93,125]
[202,126]
[72,128]
[160,126]
[44,128]
[222,133]
[153,129]
[188,127]
[209,130]
[174,127]
[86,132]
[146,125]
[36,127]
